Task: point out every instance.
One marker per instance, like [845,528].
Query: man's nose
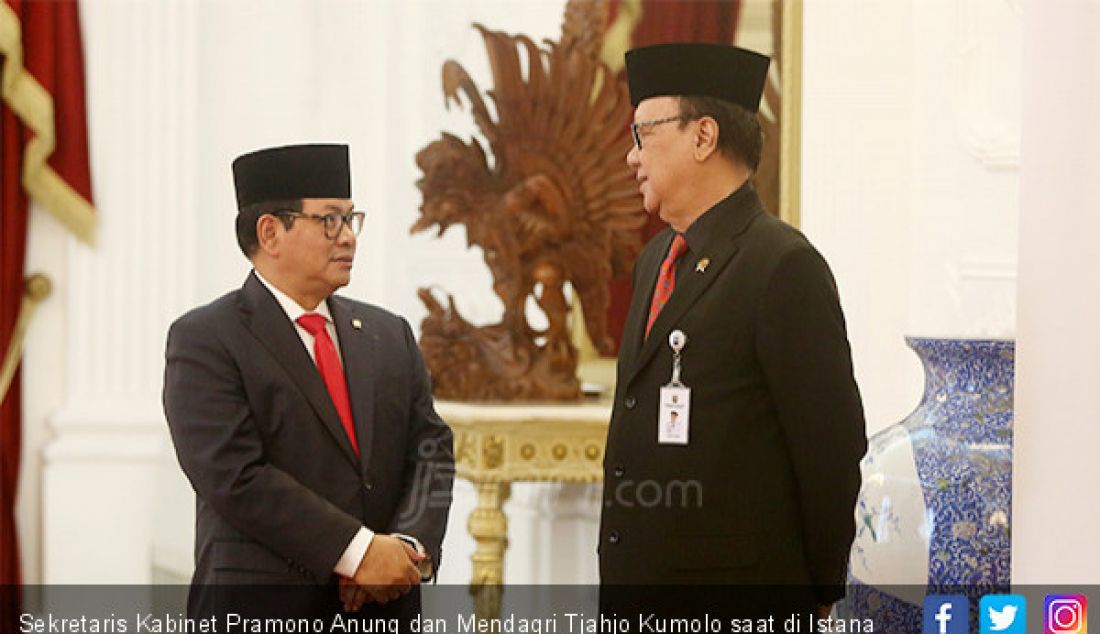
[346,237]
[632,156]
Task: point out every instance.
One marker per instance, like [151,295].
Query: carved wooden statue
[556,211]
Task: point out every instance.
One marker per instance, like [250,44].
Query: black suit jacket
[280,491]
[765,490]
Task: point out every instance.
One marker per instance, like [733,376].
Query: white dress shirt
[357,548]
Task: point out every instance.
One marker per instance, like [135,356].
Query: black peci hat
[733,74]
[292,172]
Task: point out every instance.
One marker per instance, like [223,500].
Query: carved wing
[559,140]
[564,123]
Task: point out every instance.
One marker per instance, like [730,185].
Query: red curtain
[43,73]
[13,231]
[663,22]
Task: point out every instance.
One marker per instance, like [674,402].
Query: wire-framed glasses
[649,124]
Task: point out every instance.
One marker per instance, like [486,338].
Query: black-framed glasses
[333,222]
[652,122]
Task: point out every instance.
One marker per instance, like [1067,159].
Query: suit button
[613,537]
[619,471]
[630,402]
[368,486]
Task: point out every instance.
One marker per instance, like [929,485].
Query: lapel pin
[701,265]
[356,324]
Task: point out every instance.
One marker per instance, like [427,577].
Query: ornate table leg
[489,527]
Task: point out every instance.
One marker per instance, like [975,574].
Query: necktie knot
[679,245]
[312,322]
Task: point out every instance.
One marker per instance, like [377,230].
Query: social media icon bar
[1066,614]
[1003,614]
[946,614]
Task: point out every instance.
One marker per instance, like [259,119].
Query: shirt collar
[292,309]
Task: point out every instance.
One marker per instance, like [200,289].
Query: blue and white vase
[936,505]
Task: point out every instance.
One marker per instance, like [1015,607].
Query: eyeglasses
[334,222]
[649,124]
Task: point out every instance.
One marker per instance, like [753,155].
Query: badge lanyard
[673,415]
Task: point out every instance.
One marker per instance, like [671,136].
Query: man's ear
[706,139]
[269,231]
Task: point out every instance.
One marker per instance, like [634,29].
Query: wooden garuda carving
[556,211]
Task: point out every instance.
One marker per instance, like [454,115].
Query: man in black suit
[758,484]
[304,420]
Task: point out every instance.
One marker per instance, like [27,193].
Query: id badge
[674,415]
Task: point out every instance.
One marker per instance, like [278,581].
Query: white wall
[910,158]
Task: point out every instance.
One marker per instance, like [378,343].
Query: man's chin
[340,280]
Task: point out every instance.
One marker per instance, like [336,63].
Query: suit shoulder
[778,241]
[779,236]
[374,314]
[212,326]
[211,312]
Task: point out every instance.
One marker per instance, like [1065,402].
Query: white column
[98,479]
[43,382]
[553,533]
[1057,476]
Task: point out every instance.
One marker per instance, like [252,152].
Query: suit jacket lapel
[634,329]
[358,347]
[688,289]
[266,320]
[737,212]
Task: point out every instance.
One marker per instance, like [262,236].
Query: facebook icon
[946,614]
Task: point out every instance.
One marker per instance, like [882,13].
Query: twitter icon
[1003,614]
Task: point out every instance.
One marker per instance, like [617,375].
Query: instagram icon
[1066,614]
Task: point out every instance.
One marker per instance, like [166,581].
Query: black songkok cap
[292,172]
[733,74]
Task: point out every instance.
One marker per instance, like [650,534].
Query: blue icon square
[946,614]
[1002,614]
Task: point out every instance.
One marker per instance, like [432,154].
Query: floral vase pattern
[935,509]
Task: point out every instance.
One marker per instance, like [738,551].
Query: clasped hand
[387,571]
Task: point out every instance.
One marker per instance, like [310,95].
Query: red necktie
[666,280]
[324,352]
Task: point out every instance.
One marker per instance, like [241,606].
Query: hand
[388,569]
[352,596]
